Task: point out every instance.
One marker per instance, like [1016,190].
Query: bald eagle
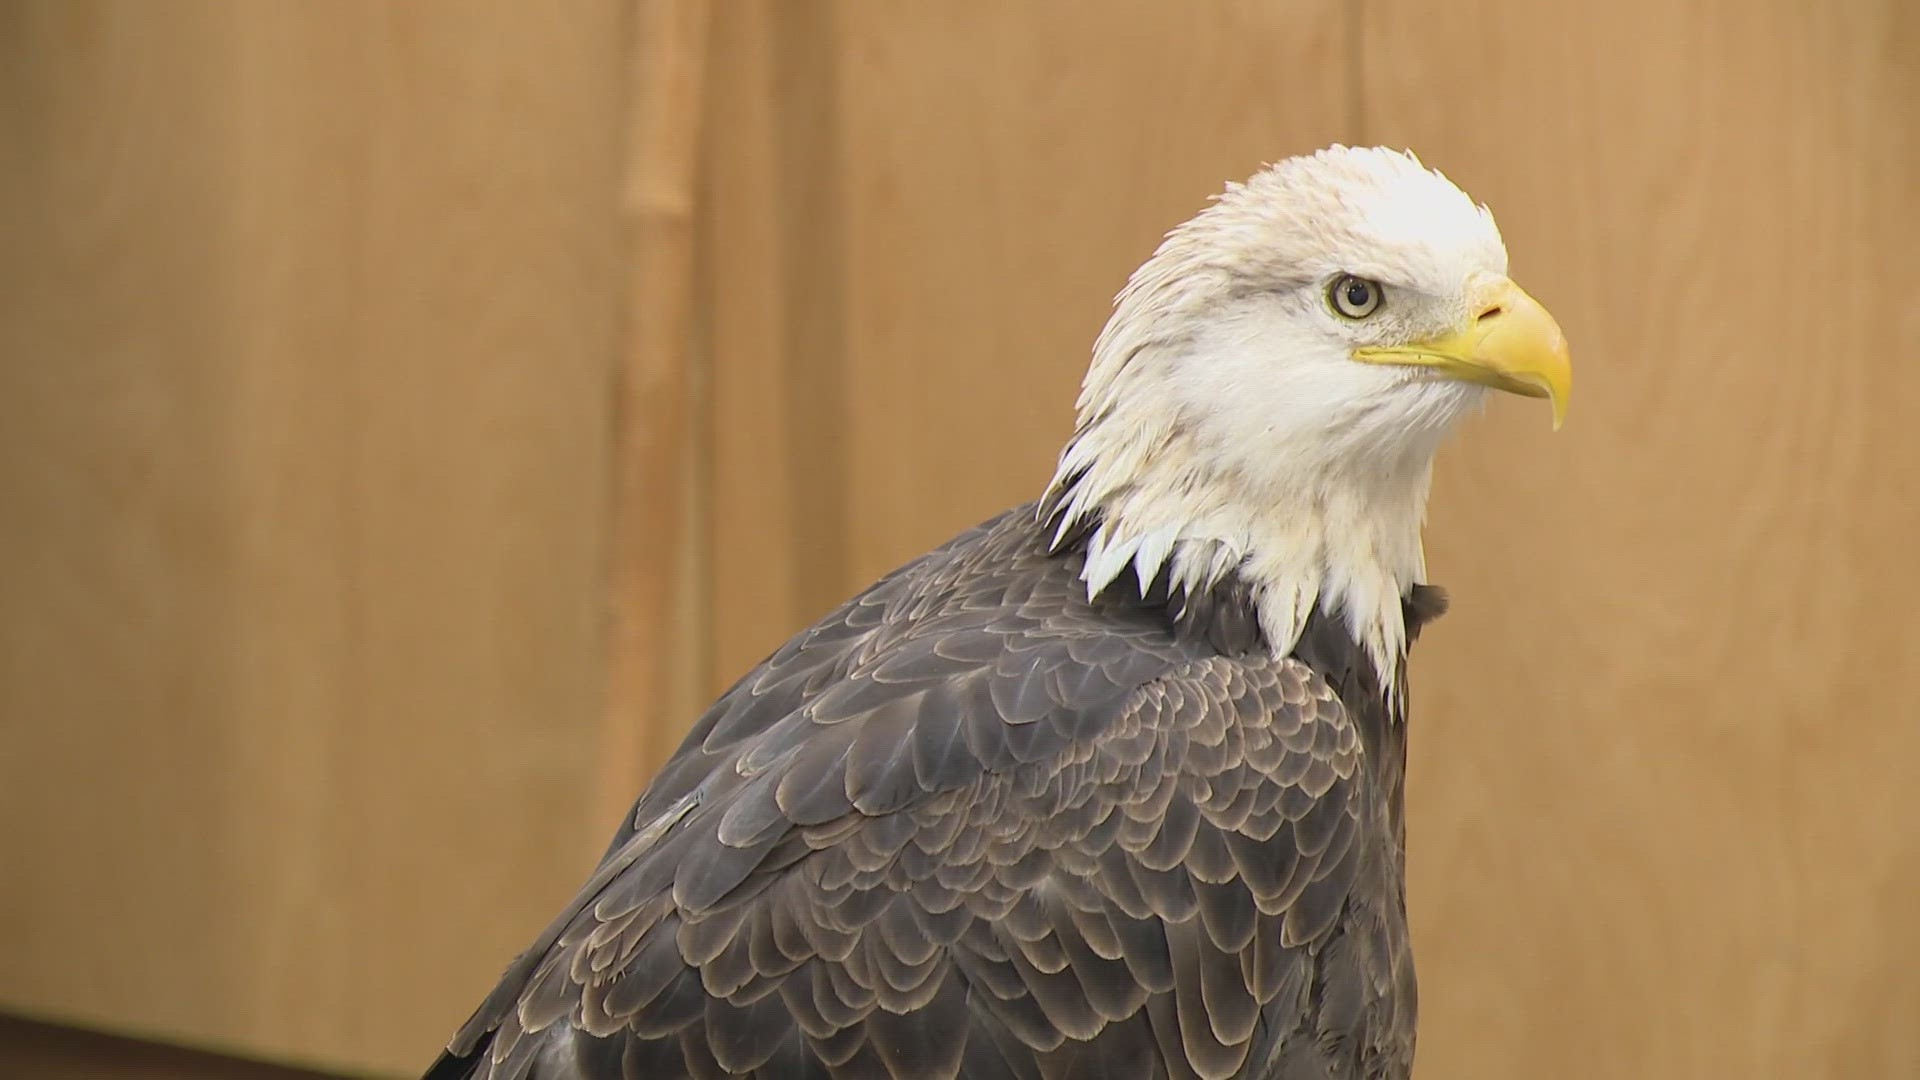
[1111,784]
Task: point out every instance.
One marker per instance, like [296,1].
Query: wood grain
[307,314]
[773,285]
[1663,809]
[653,393]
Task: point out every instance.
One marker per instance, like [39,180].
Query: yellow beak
[1512,344]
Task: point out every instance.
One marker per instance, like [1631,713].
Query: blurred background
[411,413]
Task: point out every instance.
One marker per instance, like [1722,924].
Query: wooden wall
[1665,813]
[306,318]
[309,331]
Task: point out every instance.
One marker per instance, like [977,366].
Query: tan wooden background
[311,324]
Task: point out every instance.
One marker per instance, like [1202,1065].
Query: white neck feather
[1347,544]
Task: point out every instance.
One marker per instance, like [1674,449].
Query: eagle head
[1267,397]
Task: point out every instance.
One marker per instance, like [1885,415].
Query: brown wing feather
[974,826]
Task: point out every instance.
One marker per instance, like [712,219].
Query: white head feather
[1223,424]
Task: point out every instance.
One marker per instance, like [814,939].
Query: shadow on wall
[48,1052]
[1884,1039]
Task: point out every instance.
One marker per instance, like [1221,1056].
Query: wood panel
[903,303]
[1663,803]
[770,531]
[307,314]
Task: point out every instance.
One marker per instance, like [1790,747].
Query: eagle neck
[1341,546]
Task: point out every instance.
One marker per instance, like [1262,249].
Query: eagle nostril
[1490,313]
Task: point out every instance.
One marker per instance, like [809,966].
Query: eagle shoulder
[972,824]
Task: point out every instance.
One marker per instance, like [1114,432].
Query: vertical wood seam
[814,268]
[668,53]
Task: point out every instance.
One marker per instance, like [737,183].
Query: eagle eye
[1354,297]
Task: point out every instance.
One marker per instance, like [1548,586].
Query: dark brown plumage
[973,824]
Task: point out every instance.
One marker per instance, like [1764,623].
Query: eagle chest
[1233,815]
